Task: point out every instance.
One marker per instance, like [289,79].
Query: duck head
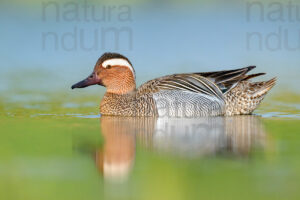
[113,71]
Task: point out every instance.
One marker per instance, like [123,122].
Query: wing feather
[187,82]
[214,84]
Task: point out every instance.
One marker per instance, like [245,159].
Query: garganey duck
[220,93]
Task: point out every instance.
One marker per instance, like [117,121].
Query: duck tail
[262,88]
[246,96]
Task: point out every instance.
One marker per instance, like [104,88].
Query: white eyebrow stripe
[118,61]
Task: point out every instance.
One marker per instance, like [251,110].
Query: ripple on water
[89,116]
[282,110]
[68,114]
[93,116]
[77,105]
[280,115]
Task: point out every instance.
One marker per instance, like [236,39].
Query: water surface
[62,149]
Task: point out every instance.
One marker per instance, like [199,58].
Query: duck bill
[91,80]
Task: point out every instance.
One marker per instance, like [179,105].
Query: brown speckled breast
[131,104]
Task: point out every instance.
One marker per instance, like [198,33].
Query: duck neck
[121,89]
[124,84]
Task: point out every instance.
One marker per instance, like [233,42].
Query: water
[50,150]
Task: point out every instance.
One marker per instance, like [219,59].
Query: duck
[200,94]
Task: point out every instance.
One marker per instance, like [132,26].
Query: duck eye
[108,66]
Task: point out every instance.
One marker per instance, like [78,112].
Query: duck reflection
[188,138]
[116,157]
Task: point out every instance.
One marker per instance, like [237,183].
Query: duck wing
[215,83]
[193,82]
